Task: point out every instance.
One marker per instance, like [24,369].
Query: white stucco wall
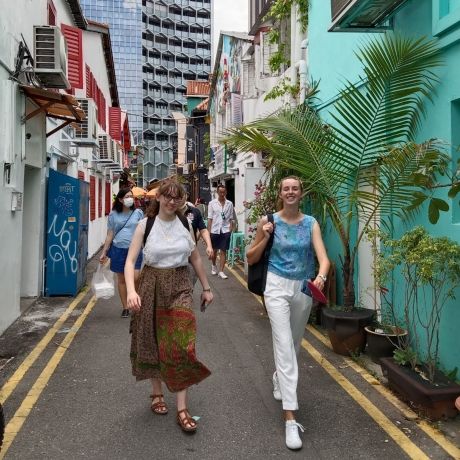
[24,147]
[13,23]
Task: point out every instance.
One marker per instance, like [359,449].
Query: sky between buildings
[229,15]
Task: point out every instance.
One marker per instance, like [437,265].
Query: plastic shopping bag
[102,284]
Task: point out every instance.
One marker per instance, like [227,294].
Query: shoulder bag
[257,273]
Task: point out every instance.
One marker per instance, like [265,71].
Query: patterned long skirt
[163,332]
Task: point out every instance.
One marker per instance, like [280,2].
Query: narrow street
[79,400]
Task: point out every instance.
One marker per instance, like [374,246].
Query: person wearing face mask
[121,225]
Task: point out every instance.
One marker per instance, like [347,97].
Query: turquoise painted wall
[332,60]
[192,102]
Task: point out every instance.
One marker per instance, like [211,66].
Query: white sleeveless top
[168,245]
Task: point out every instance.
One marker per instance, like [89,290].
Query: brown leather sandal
[160,406]
[186,422]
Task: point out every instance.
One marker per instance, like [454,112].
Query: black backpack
[257,273]
[151,221]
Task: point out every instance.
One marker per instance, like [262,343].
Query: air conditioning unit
[87,134]
[50,51]
[114,151]
[105,148]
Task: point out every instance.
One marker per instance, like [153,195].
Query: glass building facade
[124,18]
[158,45]
[176,47]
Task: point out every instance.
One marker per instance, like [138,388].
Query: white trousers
[288,309]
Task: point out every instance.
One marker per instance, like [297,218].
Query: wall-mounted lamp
[235,171]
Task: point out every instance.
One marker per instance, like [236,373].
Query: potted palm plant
[427,274]
[361,168]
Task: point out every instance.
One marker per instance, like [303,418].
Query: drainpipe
[303,72]
[298,65]
[294,38]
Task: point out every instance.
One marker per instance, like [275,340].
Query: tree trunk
[348,282]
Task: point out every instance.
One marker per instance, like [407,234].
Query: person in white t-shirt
[220,225]
[163,326]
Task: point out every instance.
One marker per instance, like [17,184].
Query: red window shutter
[92,198]
[81,175]
[51,13]
[104,113]
[93,88]
[108,198]
[74,38]
[99,203]
[88,81]
[115,123]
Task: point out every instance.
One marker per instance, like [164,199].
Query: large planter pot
[383,344]
[346,329]
[435,401]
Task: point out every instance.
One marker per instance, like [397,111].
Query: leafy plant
[361,167]
[429,272]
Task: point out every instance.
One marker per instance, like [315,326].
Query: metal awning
[361,15]
[54,105]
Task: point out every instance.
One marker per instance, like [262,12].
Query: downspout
[294,33]
[303,72]
[298,65]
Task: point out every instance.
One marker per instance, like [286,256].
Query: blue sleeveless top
[291,255]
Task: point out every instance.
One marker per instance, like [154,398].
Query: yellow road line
[384,422]
[15,424]
[14,380]
[433,433]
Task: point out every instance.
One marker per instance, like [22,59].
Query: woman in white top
[163,323]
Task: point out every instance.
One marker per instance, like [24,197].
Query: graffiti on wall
[63,251]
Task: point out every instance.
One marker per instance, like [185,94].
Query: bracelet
[207,290]
[324,278]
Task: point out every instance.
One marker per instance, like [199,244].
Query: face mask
[128,202]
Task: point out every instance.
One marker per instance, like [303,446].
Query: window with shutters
[237,109]
[51,13]
[92,198]
[267,49]
[103,113]
[74,39]
[88,81]
[108,199]
[249,84]
[99,202]
[115,123]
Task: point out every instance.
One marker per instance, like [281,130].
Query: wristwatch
[324,278]
[207,290]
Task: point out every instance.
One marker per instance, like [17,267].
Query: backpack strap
[151,221]
[148,227]
[270,241]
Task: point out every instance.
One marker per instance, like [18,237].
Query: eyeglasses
[222,214]
[174,199]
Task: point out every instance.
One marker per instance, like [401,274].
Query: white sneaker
[222,275]
[276,388]
[213,270]
[293,440]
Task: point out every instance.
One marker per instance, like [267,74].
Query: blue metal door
[67,235]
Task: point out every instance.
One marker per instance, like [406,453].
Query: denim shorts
[118,259]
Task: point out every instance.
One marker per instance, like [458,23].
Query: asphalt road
[91,407]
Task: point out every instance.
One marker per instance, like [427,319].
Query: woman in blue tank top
[291,263]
